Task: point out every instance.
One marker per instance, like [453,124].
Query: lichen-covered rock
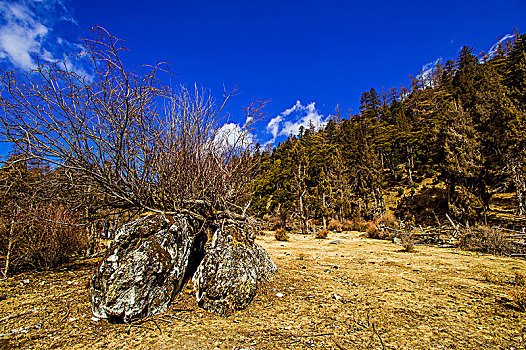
[232,270]
[146,266]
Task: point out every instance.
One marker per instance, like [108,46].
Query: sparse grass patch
[489,277]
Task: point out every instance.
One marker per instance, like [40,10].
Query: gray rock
[337,241]
[145,267]
[232,270]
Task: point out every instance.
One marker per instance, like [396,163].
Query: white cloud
[26,32]
[427,72]
[273,127]
[233,135]
[292,119]
[495,47]
[296,107]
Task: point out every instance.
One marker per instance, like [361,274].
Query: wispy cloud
[493,50]
[27,32]
[427,72]
[292,119]
[273,127]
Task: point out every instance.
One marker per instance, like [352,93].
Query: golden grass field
[358,294]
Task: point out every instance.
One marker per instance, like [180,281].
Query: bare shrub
[335,225]
[486,240]
[281,234]
[373,231]
[519,296]
[347,225]
[139,145]
[322,234]
[46,237]
[42,224]
[387,219]
[407,240]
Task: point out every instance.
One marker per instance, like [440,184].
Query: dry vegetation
[345,292]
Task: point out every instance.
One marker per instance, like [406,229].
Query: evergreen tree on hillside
[515,79]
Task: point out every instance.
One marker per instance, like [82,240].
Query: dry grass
[355,295]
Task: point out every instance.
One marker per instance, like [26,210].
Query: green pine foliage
[463,125]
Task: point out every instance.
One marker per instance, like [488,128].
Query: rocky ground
[344,292]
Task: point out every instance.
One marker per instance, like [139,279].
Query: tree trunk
[302,215]
[520,187]
[410,165]
[324,212]
[10,245]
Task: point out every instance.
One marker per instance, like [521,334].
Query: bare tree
[130,140]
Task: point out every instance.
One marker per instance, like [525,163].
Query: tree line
[462,124]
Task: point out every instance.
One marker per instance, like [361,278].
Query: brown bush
[273,222]
[315,222]
[322,234]
[347,225]
[354,225]
[486,240]
[281,235]
[43,239]
[335,225]
[407,240]
[387,219]
[373,231]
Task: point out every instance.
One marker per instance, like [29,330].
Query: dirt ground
[344,292]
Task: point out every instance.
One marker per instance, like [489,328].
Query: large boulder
[146,266]
[233,268]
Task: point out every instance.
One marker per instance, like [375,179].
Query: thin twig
[17,315]
[177,318]
[378,335]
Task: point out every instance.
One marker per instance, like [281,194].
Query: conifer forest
[461,126]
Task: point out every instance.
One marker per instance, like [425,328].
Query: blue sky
[320,53]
